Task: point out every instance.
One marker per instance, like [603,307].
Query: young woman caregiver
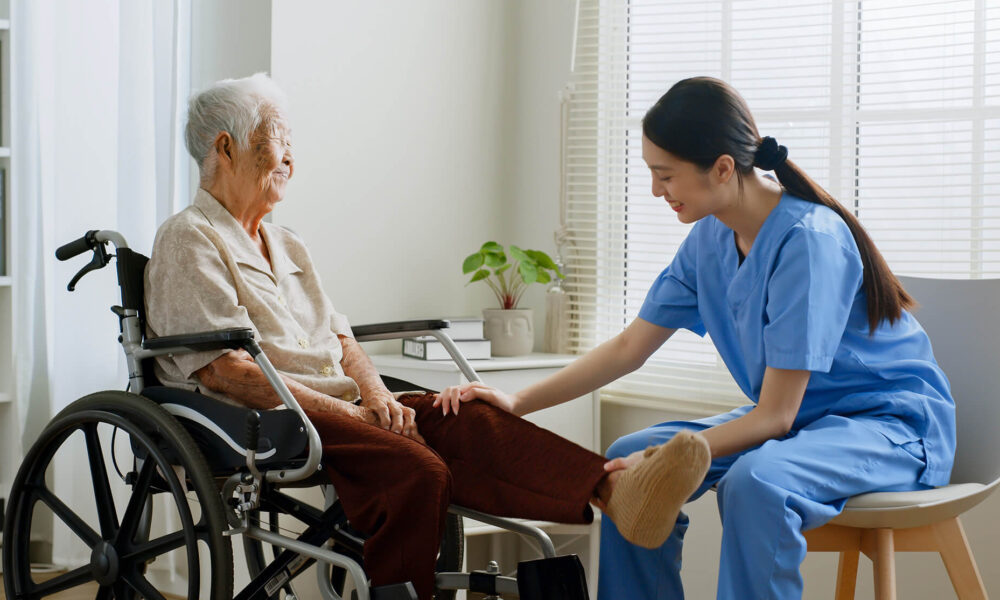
[846,395]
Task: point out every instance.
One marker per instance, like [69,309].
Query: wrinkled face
[265,170]
[685,186]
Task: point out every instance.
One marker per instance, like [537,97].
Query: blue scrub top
[797,302]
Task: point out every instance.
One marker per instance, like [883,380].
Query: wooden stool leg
[847,575]
[958,560]
[885,565]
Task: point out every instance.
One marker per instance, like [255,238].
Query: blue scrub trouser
[767,496]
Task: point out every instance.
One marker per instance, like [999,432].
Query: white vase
[556,339]
[511,332]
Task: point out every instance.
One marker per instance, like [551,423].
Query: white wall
[229,39]
[540,39]
[399,134]
[438,119]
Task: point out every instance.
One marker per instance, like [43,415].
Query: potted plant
[510,329]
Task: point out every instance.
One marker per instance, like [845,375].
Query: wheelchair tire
[153,449]
[253,549]
[451,554]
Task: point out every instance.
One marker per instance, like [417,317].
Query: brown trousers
[397,490]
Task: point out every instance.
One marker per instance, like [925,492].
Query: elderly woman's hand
[353,411]
[393,416]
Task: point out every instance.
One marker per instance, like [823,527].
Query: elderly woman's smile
[271,160]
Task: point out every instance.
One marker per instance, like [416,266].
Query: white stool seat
[901,510]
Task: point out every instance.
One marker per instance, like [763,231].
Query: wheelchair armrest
[242,337]
[437,328]
[236,337]
[403,328]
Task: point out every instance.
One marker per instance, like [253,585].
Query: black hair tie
[769,155]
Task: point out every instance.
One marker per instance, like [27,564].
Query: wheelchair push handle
[92,240]
[77,247]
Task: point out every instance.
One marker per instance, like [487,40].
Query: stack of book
[466,332]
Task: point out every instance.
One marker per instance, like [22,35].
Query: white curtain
[31,137]
[99,92]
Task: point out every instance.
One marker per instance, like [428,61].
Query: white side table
[578,420]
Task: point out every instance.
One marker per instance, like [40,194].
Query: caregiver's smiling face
[686,187]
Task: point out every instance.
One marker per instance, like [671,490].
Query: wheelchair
[176,474]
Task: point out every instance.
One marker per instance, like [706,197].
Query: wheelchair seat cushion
[219,429]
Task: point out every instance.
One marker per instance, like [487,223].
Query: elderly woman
[396,463]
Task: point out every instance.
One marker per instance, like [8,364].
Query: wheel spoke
[70,518]
[65,581]
[140,584]
[118,535]
[150,550]
[133,513]
[106,512]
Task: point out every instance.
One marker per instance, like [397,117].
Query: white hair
[236,106]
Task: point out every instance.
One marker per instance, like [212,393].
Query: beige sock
[648,496]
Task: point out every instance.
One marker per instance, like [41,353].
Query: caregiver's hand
[624,462]
[452,397]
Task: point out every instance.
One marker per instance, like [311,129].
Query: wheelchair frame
[251,490]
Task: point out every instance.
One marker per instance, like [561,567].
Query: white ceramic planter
[511,332]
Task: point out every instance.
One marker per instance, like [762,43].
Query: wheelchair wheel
[149,522]
[451,555]
[254,552]
[254,549]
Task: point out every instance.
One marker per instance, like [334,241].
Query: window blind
[892,105]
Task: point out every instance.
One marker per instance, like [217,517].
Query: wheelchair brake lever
[250,486]
[243,489]
[253,437]
[100,259]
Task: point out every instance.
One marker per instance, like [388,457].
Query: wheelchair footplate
[398,591]
[560,577]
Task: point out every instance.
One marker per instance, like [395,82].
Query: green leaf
[529,272]
[472,262]
[479,276]
[518,254]
[502,269]
[543,277]
[542,259]
[492,247]
[495,260]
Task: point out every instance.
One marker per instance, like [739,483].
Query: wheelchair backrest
[131,281]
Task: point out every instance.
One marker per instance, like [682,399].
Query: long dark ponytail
[701,118]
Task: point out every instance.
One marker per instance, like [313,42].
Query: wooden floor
[84,592]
